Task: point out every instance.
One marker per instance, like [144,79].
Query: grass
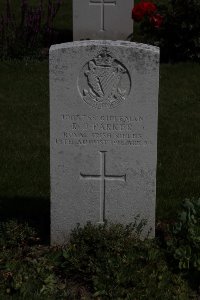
[24,115]
[24,132]
[178,137]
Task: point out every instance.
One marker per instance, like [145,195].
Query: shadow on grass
[34,211]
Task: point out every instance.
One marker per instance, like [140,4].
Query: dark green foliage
[184,241]
[29,270]
[118,265]
[13,234]
[179,35]
[26,272]
[99,262]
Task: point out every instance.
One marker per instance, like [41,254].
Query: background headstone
[102,19]
[103,115]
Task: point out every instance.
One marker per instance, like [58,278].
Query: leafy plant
[184,241]
[116,264]
[174,26]
[13,234]
[24,36]
[109,261]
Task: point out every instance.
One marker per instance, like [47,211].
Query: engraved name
[114,130]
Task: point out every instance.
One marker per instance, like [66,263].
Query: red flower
[138,12]
[141,9]
[156,20]
[149,8]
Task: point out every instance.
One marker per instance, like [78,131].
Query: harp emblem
[106,82]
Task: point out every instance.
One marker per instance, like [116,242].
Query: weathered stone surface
[103,115]
[102,19]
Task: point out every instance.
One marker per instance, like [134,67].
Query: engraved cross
[103,3]
[102,177]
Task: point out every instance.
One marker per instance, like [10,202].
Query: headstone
[102,19]
[103,115]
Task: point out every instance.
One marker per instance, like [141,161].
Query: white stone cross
[102,177]
[102,4]
[102,19]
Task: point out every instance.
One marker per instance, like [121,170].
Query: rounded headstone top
[106,43]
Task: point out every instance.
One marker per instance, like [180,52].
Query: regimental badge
[104,82]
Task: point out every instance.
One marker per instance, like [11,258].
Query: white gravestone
[102,19]
[103,115]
